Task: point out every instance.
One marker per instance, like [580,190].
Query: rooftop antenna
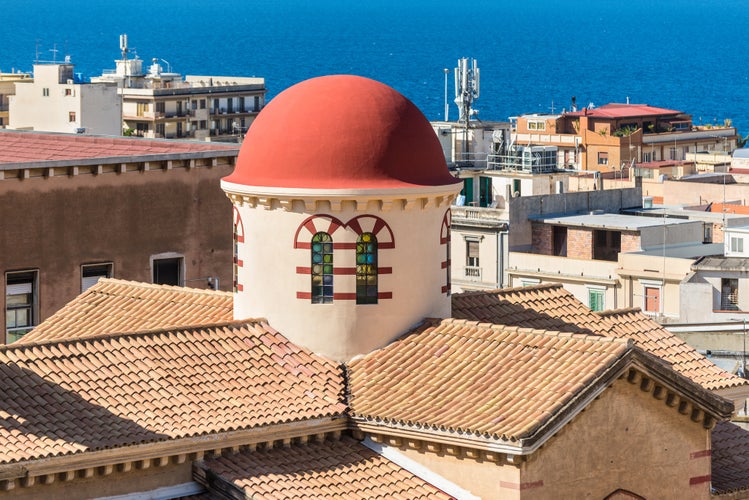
[552,106]
[54,53]
[466,87]
[123,45]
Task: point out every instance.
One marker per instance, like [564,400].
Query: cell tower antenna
[123,45]
[466,87]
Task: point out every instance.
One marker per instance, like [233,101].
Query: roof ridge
[506,290]
[540,331]
[138,333]
[613,312]
[142,284]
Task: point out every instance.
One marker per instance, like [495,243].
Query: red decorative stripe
[700,454]
[310,226]
[443,264]
[354,224]
[240,288]
[388,245]
[303,270]
[379,224]
[304,245]
[334,224]
[240,238]
[240,262]
[385,295]
[344,296]
[344,270]
[304,295]
[699,480]
[443,240]
[384,270]
[445,288]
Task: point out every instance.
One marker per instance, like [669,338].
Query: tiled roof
[486,380]
[551,307]
[331,469]
[617,110]
[683,358]
[109,391]
[547,307]
[28,147]
[114,305]
[730,458]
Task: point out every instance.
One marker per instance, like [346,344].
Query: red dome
[341,132]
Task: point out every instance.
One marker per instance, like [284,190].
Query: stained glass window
[366,269]
[322,269]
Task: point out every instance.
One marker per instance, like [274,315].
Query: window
[68,92]
[241,105]
[707,233]
[559,234]
[652,298]
[516,185]
[160,129]
[603,158]
[194,104]
[472,253]
[160,107]
[366,269]
[167,271]
[596,299]
[215,105]
[91,273]
[71,116]
[322,269]
[45,92]
[536,125]
[737,244]
[729,294]
[141,108]
[202,104]
[647,157]
[485,191]
[202,124]
[257,103]
[606,245]
[20,304]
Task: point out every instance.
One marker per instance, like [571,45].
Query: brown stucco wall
[626,439]
[55,224]
[579,243]
[542,238]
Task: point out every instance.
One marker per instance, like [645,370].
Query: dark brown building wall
[542,238]
[56,224]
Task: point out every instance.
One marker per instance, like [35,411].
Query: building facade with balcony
[8,88]
[164,105]
[614,136]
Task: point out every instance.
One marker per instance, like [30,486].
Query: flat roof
[617,110]
[611,221]
[20,148]
[685,213]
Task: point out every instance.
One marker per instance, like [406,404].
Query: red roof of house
[616,110]
[341,132]
[33,147]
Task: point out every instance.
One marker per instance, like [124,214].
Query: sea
[533,55]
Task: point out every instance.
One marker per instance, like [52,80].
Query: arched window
[366,269]
[322,269]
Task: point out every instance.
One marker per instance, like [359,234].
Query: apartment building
[614,136]
[58,100]
[158,103]
[8,88]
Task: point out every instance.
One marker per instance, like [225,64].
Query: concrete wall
[56,224]
[523,207]
[626,439]
[674,234]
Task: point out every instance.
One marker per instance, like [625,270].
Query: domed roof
[341,132]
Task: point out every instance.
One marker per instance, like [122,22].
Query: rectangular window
[168,271]
[20,304]
[647,157]
[68,92]
[257,103]
[729,294]
[141,108]
[536,125]
[596,300]
[652,298]
[485,191]
[215,106]
[606,245]
[194,104]
[71,117]
[472,253]
[202,124]
[92,273]
[160,107]
[160,130]
[241,105]
[45,92]
[737,244]
[516,184]
[202,104]
[603,158]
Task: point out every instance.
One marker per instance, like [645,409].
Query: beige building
[172,392]
[56,100]
[81,207]
[8,88]
[157,103]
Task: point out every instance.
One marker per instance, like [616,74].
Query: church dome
[341,132]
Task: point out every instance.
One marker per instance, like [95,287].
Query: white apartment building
[57,101]
[161,104]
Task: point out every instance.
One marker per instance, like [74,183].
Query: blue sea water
[688,55]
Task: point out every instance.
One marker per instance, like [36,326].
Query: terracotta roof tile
[504,386]
[730,458]
[552,307]
[114,305]
[331,469]
[116,390]
[34,147]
